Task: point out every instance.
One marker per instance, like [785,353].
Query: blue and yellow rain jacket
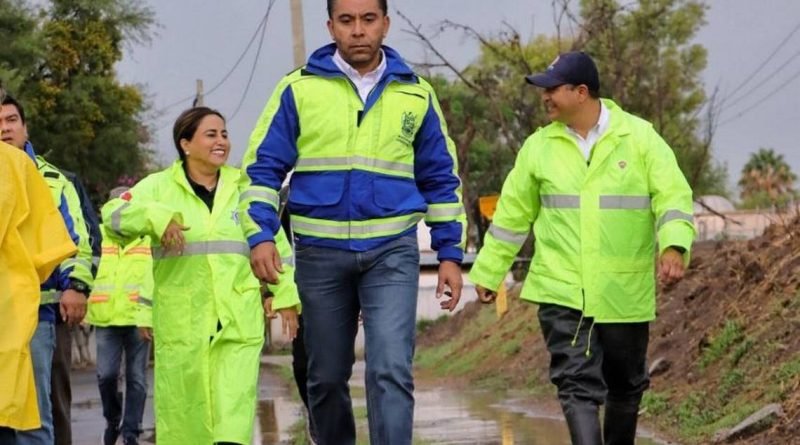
[364,173]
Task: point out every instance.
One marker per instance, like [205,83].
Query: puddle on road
[442,416]
[278,409]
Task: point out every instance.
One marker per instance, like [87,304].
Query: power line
[767,60]
[761,101]
[760,85]
[261,25]
[255,62]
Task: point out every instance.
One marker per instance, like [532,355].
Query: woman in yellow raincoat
[207,314]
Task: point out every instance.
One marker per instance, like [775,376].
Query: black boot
[619,423]
[584,424]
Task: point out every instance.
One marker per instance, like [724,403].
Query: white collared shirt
[364,84]
[594,134]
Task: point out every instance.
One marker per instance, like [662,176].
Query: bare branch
[423,66]
[514,38]
[716,213]
[416,31]
[708,137]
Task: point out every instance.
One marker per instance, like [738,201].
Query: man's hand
[450,276]
[670,266]
[173,240]
[146,333]
[72,306]
[485,296]
[266,262]
[289,322]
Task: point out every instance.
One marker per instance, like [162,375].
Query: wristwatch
[79,286]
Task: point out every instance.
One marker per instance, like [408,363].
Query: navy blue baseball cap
[574,68]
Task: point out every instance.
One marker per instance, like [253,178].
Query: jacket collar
[228,177]
[321,63]
[30,151]
[617,125]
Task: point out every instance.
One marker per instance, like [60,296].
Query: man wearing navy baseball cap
[605,197]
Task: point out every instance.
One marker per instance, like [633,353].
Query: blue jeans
[334,286]
[42,346]
[111,343]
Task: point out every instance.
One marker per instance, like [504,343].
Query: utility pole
[299,33]
[198,98]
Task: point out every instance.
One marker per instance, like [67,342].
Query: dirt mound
[727,336]
[729,331]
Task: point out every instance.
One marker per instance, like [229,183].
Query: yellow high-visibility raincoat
[33,241]
[598,227]
[207,316]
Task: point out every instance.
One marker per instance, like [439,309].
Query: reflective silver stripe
[205,248]
[353,230]
[508,236]
[561,201]
[95,261]
[672,215]
[353,160]
[624,202]
[116,218]
[75,262]
[104,288]
[288,261]
[50,297]
[131,287]
[269,196]
[144,301]
[444,212]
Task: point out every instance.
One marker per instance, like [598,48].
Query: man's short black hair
[381,3]
[9,100]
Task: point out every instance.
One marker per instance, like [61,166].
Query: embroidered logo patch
[409,123]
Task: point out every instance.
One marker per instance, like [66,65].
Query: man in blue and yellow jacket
[65,291]
[605,198]
[371,158]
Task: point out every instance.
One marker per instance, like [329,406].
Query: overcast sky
[202,39]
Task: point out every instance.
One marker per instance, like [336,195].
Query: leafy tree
[767,181]
[79,115]
[21,45]
[648,63]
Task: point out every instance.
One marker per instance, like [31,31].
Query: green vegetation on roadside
[737,375]
[484,346]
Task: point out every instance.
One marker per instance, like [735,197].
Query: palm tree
[767,180]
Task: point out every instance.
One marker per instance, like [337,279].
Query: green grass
[655,403]
[730,335]
[425,324]
[298,433]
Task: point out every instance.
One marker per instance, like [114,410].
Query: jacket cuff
[260,237]
[676,235]
[452,253]
[484,279]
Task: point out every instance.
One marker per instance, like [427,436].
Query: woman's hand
[268,312]
[173,240]
[289,322]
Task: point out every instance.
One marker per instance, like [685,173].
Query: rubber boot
[619,423]
[584,424]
